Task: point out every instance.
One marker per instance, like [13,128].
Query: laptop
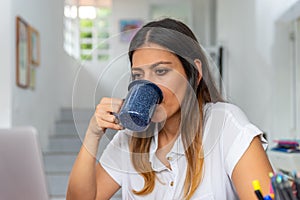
[22,174]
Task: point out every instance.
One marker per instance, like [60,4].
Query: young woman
[197,146]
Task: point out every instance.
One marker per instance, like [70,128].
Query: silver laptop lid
[21,166]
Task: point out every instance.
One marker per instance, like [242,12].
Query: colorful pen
[268,197]
[257,190]
[272,187]
[297,184]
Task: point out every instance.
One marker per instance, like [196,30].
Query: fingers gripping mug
[139,105]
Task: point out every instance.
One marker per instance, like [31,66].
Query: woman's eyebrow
[152,65]
[136,69]
[159,63]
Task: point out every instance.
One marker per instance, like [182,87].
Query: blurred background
[83,57]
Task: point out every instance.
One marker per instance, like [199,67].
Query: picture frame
[22,53]
[34,46]
[216,54]
[128,28]
[32,78]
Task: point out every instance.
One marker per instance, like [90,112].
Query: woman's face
[158,65]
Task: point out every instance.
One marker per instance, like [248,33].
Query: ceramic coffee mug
[139,105]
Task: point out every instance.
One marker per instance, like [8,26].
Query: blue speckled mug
[139,105]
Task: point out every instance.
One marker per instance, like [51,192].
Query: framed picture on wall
[128,28]
[216,55]
[22,53]
[32,78]
[34,46]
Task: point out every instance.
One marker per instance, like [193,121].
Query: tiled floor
[62,150]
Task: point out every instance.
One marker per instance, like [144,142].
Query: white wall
[285,113]
[94,80]
[111,79]
[246,73]
[247,31]
[6,41]
[39,107]
[55,77]
[203,12]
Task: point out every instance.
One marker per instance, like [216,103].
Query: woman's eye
[161,72]
[136,76]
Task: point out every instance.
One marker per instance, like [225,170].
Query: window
[86,32]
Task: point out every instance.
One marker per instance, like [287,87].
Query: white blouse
[227,135]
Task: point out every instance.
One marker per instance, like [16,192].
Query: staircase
[63,148]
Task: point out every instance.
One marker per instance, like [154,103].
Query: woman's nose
[149,77]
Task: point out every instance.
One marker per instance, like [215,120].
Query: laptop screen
[21,166]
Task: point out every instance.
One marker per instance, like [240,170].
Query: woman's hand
[85,178]
[103,117]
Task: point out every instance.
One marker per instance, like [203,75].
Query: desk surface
[284,161]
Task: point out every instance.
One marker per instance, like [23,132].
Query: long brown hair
[176,37]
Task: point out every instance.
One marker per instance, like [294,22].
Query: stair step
[63,145]
[57,184]
[81,114]
[59,163]
[71,128]
[57,198]
[57,187]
